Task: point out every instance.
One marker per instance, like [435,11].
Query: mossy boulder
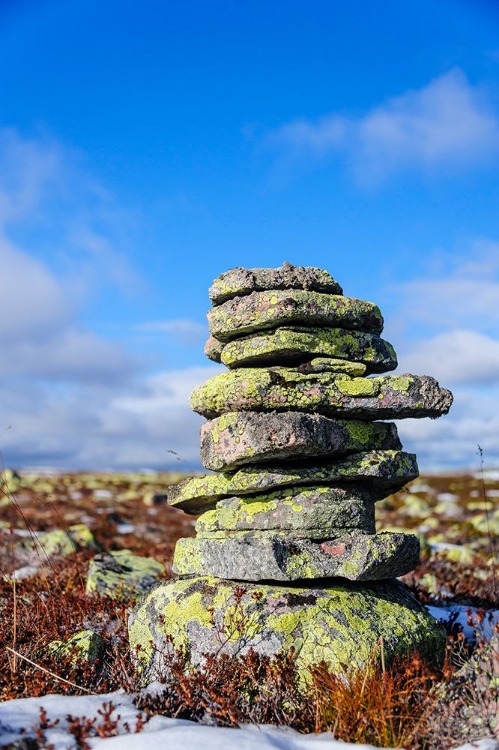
[342,625]
[354,556]
[262,310]
[379,472]
[311,512]
[122,574]
[87,645]
[239,438]
[286,346]
[61,543]
[241,281]
[334,395]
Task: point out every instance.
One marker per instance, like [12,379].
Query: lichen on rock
[261,310]
[242,281]
[310,512]
[353,555]
[287,345]
[122,574]
[336,622]
[331,394]
[381,472]
[239,438]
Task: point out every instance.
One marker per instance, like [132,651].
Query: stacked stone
[300,459]
[286,552]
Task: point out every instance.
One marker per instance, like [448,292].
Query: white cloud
[456,357]
[183,330]
[447,124]
[148,425]
[32,301]
[461,292]
[456,316]
[452,441]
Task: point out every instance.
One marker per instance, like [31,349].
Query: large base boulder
[345,626]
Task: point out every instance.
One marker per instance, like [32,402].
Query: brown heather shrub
[53,606]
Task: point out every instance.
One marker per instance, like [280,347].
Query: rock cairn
[299,460]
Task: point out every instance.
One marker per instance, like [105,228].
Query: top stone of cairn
[239,282]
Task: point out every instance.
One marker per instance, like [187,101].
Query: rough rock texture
[380,472]
[286,345]
[261,310]
[87,645]
[241,281]
[355,556]
[249,437]
[311,512]
[121,573]
[213,349]
[288,389]
[331,364]
[341,624]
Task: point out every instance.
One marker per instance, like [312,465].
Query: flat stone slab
[242,281]
[337,623]
[249,437]
[331,394]
[379,472]
[287,345]
[355,556]
[261,310]
[315,512]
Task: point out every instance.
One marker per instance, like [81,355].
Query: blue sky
[145,148]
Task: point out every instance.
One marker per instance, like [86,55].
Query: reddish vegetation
[407,704]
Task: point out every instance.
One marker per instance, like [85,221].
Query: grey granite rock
[241,281]
[379,472]
[315,512]
[239,438]
[271,309]
[335,395]
[355,556]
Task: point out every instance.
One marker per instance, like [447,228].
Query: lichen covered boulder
[122,574]
[86,645]
[287,346]
[355,556]
[238,282]
[239,438]
[339,624]
[261,310]
[379,471]
[61,543]
[331,394]
[306,512]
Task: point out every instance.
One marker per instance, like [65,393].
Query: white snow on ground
[160,731]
